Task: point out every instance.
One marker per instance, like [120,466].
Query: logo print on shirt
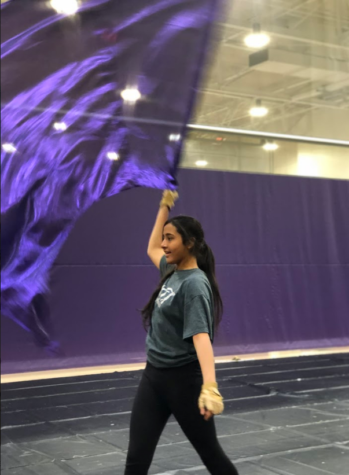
[165,294]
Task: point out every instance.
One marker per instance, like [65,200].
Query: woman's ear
[191,244]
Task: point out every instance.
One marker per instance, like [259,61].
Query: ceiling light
[174,137]
[201,163]
[113,156]
[60,126]
[257,39]
[130,95]
[258,110]
[270,146]
[9,148]
[65,7]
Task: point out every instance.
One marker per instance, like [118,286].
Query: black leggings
[163,392]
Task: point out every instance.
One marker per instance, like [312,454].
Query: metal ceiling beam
[299,11]
[214,111]
[208,128]
[287,11]
[270,135]
[289,115]
[283,33]
[322,13]
[254,95]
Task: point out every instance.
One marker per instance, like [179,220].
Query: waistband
[189,368]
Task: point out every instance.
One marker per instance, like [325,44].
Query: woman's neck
[187,264]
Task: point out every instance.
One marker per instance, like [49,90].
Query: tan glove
[168,198]
[211,399]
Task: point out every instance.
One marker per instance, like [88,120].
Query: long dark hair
[191,231]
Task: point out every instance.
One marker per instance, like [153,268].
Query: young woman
[181,318]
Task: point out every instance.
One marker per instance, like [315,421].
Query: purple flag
[93,103]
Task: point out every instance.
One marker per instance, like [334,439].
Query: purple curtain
[68,136]
[282,251]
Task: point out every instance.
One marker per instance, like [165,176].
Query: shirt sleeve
[197,317]
[164,267]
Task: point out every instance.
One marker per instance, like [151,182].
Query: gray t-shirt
[183,309]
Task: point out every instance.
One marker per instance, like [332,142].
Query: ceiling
[241,153]
[302,76]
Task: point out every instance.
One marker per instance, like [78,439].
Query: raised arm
[155,251]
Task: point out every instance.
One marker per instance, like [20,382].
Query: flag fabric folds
[94,102]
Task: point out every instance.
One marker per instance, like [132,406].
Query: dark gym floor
[285,417]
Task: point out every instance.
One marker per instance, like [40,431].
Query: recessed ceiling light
[258,110]
[60,126]
[270,146]
[113,156]
[9,148]
[65,7]
[130,95]
[201,163]
[257,39]
[174,137]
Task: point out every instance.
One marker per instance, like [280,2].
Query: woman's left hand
[207,414]
[210,401]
